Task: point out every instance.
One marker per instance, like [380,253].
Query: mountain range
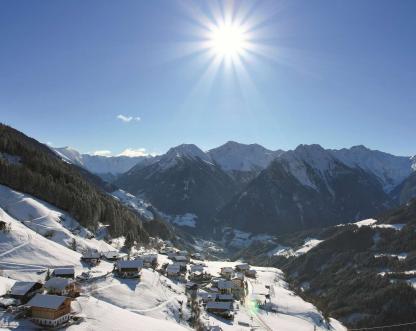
[254,189]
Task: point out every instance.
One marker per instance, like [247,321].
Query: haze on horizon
[143,76]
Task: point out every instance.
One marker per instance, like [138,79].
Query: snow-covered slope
[100,315]
[23,252]
[48,220]
[99,164]
[233,156]
[391,170]
[188,151]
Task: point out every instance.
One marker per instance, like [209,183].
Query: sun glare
[228,40]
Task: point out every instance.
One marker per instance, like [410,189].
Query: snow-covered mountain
[182,181]
[99,164]
[391,170]
[304,188]
[233,156]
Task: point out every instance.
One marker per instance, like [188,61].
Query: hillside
[31,167]
[362,274]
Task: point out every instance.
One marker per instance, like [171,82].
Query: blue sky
[337,73]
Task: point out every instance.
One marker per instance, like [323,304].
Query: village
[217,294]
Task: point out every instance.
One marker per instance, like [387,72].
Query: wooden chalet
[149,260]
[223,309]
[67,272]
[24,291]
[242,267]
[173,270]
[129,268]
[62,286]
[111,255]
[92,258]
[50,310]
[227,272]
[225,286]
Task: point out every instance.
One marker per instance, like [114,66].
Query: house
[191,286]
[239,287]
[111,255]
[23,291]
[197,256]
[50,310]
[149,260]
[225,297]
[205,296]
[68,272]
[180,258]
[196,268]
[62,286]
[223,309]
[92,258]
[242,267]
[173,270]
[196,276]
[251,273]
[227,272]
[129,268]
[225,286]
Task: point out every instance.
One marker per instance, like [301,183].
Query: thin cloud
[102,153]
[127,119]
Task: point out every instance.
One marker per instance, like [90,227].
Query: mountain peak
[234,156]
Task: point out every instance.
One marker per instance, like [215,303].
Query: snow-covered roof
[173,268]
[225,284]
[219,305]
[47,301]
[21,288]
[91,255]
[58,283]
[127,264]
[227,269]
[64,271]
[197,268]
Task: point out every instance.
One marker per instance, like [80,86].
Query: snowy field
[110,303]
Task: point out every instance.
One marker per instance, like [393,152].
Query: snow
[187,219]
[366,222]
[188,151]
[401,256]
[135,203]
[99,164]
[288,251]
[240,239]
[373,223]
[100,315]
[5,284]
[391,170]
[47,301]
[241,157]
[48,220]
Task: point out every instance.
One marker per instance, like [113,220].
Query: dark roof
[58,283]
[91,255]
[224,284]
[21,288]
[47,301]
[127,264]
[64,271]
[219,305]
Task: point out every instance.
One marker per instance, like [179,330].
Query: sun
[228,40]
